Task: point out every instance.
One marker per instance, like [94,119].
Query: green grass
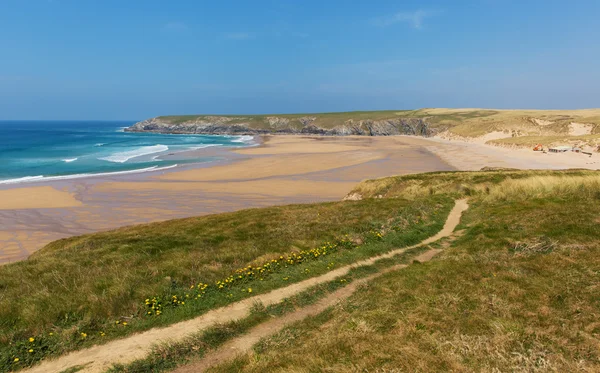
[74,369]
[455,184]
[460,122]
[324,120]
[71,294]
[537,231]
[518,292]
[166,357]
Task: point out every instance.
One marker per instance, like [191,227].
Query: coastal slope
[501,127]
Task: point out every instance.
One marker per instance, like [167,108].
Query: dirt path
[244,343]
[101,357]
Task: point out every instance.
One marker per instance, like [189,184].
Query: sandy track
[244,343]
[101,357]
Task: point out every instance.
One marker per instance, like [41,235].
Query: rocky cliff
[310,125]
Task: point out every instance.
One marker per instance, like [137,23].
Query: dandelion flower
[30,350]
[249,290]
[31,339]
[16,360]
[124,323]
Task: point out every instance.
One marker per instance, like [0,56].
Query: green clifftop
[506,127]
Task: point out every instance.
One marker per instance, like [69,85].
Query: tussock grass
[553,140]
[547,187]
[71,294]
[518,292]
[479,183]
[168,356]
[518,287]
[460,122]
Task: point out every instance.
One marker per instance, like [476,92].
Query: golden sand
[285,169]
[36,197]
[271,187]
[279,165]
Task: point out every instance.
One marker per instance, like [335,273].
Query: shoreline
[281,169]
[189,153]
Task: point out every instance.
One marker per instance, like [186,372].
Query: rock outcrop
[309,125]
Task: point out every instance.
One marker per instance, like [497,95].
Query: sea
[33,151]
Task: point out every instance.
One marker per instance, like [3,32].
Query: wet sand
[285,169]
[36,197]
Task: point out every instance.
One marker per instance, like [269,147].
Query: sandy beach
[283,170]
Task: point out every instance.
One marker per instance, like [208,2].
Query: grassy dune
[518,292]
[90,289]
[477,184]
[323,120]
[529,127]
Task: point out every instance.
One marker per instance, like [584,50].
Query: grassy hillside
[547,126]
[323,120]
[89,289]
[519,287]
[517,292]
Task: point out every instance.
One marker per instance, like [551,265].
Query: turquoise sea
[53,150]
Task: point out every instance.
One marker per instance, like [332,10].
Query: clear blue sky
[109,59]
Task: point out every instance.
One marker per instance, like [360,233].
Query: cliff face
[214,125]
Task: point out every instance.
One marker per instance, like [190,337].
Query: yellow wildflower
[124,323]
[249,290]
[16,359]
[30,350]
[31,339]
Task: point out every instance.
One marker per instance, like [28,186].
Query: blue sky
[84,59]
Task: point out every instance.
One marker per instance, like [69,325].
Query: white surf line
[122,351]
[31,179]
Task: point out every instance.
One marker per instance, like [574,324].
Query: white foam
[244,139]
[125,156]
[69,160]
[202,146]
[22,180]
[100,144]
[27,179]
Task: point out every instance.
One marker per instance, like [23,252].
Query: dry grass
[518,292]
[554,140]
[545,187]
[71,293]
[460,122]
[459,184]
